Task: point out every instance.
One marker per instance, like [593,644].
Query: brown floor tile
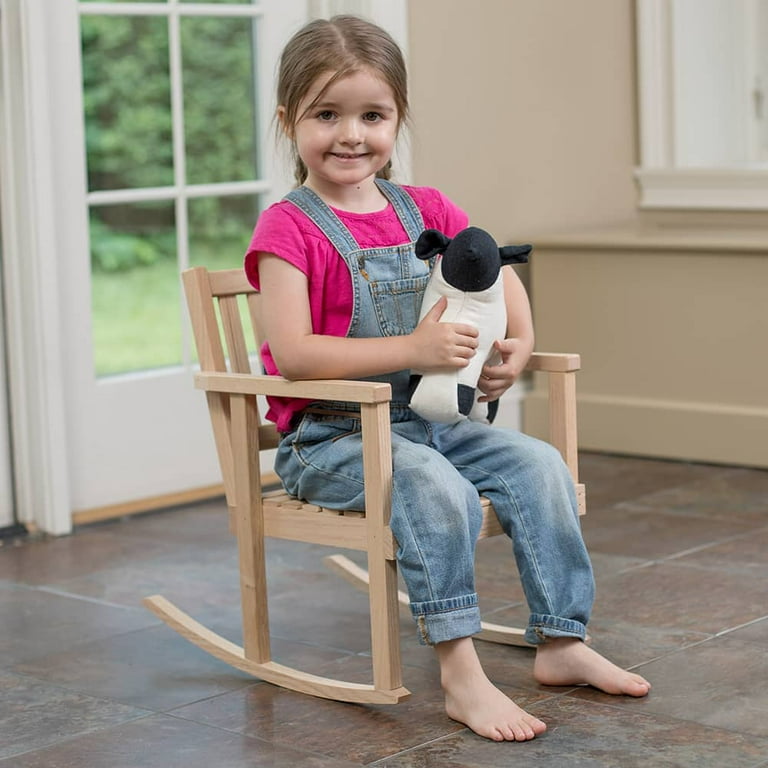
[43,560]
[195,580]
[679,558]
[360,734]
[731,494]
[720,683]
[756,632]
[612,479]
[34,714]
[36,623]
[672,596]
[746,554]
[154,669]
[167,742]
[594,737]
[643,534]
[205,523]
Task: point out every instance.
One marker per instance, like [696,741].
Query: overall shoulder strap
[326,220]
[405,207]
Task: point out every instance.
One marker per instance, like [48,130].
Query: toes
[536,725]
[638,688]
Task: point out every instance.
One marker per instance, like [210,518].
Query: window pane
[219,94]
[127,101]
[220,231]
[135,288]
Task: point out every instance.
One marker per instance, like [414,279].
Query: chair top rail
[229,282]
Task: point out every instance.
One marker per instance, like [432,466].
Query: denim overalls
[439,469]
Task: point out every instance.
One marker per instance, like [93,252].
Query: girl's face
[349,134]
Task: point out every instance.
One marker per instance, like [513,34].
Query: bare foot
[471,698]
[568,661]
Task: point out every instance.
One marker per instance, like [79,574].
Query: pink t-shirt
[285,231]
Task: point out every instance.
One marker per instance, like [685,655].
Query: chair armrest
[561,371]
[276,386]
[374,398]
[553,362]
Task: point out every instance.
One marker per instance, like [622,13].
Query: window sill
[703,188]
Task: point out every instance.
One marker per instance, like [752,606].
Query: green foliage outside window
[128,127]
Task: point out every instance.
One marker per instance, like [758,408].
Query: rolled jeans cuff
[542,626]
[443,620]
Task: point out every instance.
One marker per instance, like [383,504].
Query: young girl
[340,294]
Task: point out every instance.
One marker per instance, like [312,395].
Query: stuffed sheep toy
[469,274]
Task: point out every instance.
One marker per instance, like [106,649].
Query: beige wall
[671,327]
[524,110]
[525,114]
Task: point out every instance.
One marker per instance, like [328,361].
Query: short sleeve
[278,232]
[439,211]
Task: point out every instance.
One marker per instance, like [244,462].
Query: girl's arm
[516,349]
[301,354]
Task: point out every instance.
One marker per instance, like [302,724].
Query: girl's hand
[439,345]
[495,380]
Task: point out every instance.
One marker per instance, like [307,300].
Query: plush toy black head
[472,260]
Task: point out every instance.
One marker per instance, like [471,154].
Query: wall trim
[715,433]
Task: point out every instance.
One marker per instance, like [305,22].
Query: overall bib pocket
[398,303]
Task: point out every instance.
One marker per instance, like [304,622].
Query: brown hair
[341,45]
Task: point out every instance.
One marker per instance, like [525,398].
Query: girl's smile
[345,135]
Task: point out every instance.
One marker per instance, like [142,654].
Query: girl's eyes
[368,117]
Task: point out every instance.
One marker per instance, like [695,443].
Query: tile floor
[90,679]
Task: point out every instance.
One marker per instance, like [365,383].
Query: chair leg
[382,574]
[358,577]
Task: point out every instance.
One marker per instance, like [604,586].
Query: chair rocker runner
[231,390]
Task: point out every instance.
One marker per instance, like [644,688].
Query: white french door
[126,167]
[137,427]
[107,416]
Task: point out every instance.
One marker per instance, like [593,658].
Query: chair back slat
[205,328]
[219,342]
[253,311]
[232,327]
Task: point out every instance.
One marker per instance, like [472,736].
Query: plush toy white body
[436,397]
[469,275]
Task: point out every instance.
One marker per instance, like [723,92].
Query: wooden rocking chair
[240,435]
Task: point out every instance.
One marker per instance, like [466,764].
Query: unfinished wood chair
[231,389]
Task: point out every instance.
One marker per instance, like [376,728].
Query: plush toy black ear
[515,254]
[430,243]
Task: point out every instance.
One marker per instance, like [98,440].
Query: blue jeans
[438,472]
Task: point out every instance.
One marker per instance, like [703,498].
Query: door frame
[31,223]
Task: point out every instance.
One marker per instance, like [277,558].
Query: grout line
[723,632]
[87,599]
[416,747]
